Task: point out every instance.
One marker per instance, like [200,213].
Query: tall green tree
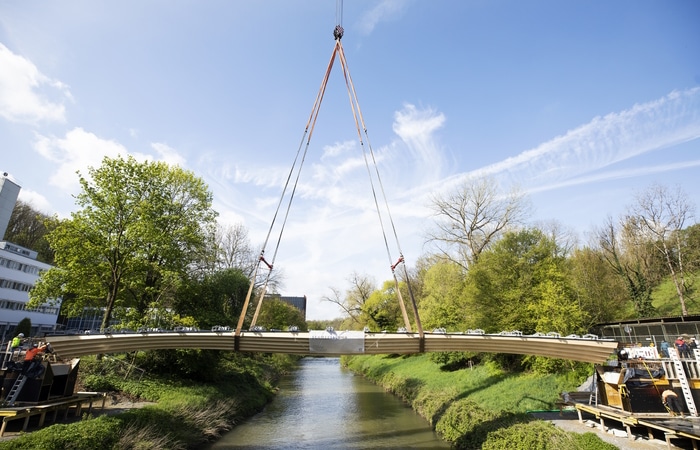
[522,284]
[27,227]
[632,260]
[276,314]
[139,228]
[444,304]
[215,299]
[600,292]
[382,311]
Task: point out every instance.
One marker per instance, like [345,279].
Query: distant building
[297,302]
[19,271]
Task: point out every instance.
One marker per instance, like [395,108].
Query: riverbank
[161,412]
[484,407]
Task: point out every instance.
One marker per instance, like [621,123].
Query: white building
[19,270]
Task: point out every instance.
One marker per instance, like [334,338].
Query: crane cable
[361,127]
[308,133]
[299,159]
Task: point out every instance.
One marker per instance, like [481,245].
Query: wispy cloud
[25,92]
[383,11]
[604,141]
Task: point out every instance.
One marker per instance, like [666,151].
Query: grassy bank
[187,414]
[478,408]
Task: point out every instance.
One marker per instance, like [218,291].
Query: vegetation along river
[323,405]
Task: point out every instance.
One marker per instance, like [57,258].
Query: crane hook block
[338,32]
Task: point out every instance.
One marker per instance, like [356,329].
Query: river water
[322,405]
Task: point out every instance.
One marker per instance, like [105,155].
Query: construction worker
[16,344]
[670,400]
[30,355]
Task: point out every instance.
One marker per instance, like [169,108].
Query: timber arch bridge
[329,342]
[586,348]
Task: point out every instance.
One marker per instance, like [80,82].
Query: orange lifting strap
[299,159]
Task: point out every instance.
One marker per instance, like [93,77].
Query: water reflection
[322,405]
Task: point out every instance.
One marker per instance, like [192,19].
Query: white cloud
[416,128]
[22,95]
[168,154]
[76,152]
[80,149]
[618,136]
[36,200]
[383,11]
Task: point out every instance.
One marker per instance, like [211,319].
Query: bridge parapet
[306,343]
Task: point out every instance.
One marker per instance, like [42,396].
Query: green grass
[187,413]
[491,387]
[474,408]
[665,298]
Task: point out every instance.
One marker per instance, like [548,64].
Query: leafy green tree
[27,227]
[444,303]
[599,291]
[382,311]
[139,228]
[23,326]
[276,314]
[215,299]
[522,284]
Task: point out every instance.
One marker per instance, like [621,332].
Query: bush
[451,361]
[101,433]
[540,435]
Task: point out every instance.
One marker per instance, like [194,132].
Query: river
[322,405]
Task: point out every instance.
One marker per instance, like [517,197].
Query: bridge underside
[336,343]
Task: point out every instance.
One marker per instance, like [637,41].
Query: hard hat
[21,335]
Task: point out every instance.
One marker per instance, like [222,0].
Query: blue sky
[582,104]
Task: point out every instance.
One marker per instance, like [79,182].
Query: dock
[75,403]
[654,424]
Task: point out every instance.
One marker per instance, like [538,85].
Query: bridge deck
[336,343]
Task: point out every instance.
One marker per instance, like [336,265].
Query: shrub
[540,435]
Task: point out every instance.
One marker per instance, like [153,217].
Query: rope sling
[297,165]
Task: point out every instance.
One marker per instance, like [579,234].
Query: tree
[234,249]
[382,310]
[471,218]
[600,292]
[444,304]
[362,286]
[630,260]
[658,217]
[140,227]
[276,314]
[216,299]
[27,227]
[24,326]
[522,284]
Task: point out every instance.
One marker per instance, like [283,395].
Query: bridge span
[335,343]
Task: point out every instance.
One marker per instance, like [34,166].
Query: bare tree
[658,217]
[565,238]
[470,218]
[361,288]
[234,246]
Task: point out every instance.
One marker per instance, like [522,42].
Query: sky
[580,104]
